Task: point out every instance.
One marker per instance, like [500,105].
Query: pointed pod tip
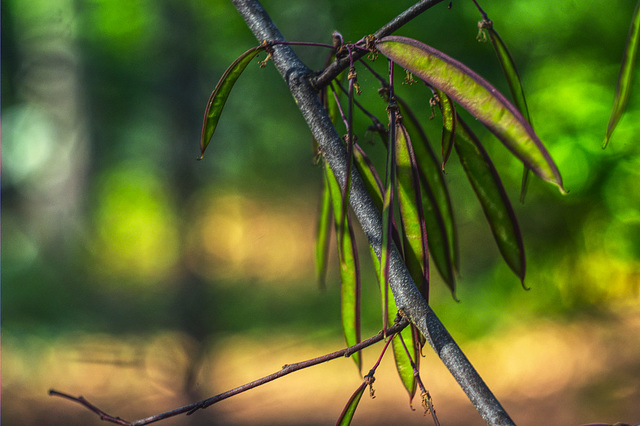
[322,286]
[524,285]
[605,143]
[562,190]
[556,179]
[559,184]
[411,396]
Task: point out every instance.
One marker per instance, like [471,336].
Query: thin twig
[378,127]
[368,380]
[340,65]
[81,400]
[482,12]
[192,408]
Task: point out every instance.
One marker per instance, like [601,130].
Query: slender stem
[303,43]
[342,115]
[378,127]
[482,12]
[81,400]
[375,74]
[406,294]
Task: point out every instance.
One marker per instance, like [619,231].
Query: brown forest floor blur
[554,374]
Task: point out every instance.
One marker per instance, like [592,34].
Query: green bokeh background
[111,228]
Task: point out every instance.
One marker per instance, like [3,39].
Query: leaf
[350,409]
[403,365]
[369,175]
[349,268]
[416,248]
[323,229]
[448,110]
[623,87]
[477,96]
[221,93]
[436,202]
[515,86]
[494,201]
[373,184]
[387,219]
[322,235]
[510,71]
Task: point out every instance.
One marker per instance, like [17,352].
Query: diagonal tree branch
[406,294]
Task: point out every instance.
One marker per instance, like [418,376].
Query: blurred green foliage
[104,205]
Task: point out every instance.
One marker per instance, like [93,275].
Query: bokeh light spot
[136,228]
